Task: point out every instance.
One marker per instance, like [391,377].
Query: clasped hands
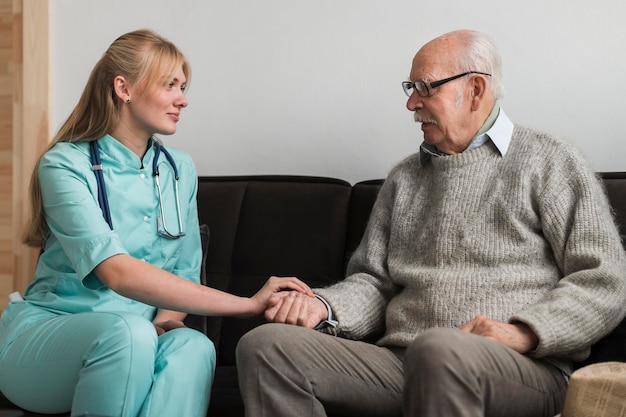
[293,307]
[306,310]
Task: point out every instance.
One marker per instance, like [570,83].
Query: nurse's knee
[198,344]
[128,333]
[189,344]
[201,343]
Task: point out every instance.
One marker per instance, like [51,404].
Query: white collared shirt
[500,134]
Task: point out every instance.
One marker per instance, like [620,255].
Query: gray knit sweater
[527,237]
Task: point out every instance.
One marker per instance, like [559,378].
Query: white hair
[480,53]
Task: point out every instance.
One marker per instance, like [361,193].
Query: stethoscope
[104,202]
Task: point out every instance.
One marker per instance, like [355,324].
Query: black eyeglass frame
[407,86]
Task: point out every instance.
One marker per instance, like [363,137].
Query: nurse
[100,330]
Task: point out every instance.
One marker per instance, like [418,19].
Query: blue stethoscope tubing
[102,194]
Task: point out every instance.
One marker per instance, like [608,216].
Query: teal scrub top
[80,238]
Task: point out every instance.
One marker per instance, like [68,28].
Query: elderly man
[490,264]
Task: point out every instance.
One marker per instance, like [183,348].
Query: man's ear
[479,90]
[122,88]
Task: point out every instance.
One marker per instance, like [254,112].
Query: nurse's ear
[122,89]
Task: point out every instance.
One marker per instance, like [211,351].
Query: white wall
[313,87]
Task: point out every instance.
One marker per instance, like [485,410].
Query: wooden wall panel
[33,120]
[24,128]
[6,149]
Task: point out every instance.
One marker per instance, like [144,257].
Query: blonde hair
[142,57]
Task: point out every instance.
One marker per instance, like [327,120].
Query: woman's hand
[166,326]
[273,285]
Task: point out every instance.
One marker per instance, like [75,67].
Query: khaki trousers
[292,371]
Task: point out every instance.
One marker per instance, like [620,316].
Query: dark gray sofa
[299,226]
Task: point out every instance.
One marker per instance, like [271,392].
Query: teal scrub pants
[108,364]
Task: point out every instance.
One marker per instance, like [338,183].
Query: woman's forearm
[146,283]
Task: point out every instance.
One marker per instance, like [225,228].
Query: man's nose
[414,102]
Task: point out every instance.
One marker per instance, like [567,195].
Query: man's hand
[518,336]
[292,307]
[277,285]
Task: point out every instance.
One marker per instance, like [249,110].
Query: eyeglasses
[424,89]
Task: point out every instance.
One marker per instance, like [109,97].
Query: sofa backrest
[613,346]
[615,183]
[270,225]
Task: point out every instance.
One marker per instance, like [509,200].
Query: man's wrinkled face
[444,115]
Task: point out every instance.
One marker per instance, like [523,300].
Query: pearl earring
[128,100]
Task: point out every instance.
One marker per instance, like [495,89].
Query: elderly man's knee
[262,340]
[436,346]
